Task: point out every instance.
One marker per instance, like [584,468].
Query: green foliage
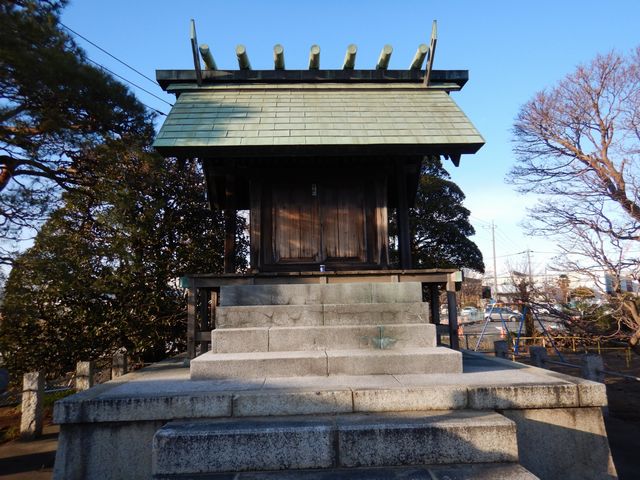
[54,108]
[439,223]
[102,273]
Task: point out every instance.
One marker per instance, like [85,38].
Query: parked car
[469,311]
[501,313]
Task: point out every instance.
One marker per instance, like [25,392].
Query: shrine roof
[309,117]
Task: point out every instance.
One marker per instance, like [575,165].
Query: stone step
[319,315]
[319,294]
[337,337]
[342,441]
[484,471]
[427,360]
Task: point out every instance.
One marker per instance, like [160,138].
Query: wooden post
[191,319]
[243,58]
[205,52]
[350,57]
[214,303]
[197,66]
[385,56]
[278,57]
[32,400]
[418,58]
[435,309]
[230,225]
[314,57]
[453,319]
[432,53]
[402,215]
[203,307]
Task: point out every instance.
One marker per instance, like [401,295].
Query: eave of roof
[315,118]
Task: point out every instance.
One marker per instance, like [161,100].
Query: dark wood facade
[303,222]
[304,213]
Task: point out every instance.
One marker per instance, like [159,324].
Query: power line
[135,85]
[111,55]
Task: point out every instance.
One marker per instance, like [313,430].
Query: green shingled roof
[231,117]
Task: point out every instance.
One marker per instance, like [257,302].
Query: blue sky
[512,49]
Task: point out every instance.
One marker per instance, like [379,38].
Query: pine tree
[55,107]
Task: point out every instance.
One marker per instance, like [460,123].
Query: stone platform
[108,431]
[333,381]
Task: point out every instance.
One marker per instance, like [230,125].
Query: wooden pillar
[453,320]
[230,225]
[204,326]
[434,301]
[402,216]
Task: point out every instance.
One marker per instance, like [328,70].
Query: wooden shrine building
[318,157]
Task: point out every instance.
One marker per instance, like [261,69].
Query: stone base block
[406,361]
[269,316]
[317,294]
[318,315]
[353,440]
[429,360]
[258,364]
[567,443]
[376,314]
[276,339]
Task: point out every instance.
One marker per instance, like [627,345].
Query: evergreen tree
[55,107]
[439,223]
[102,273]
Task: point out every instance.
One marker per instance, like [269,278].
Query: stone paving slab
[157,392]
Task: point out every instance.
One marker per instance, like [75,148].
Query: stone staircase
[331,329]
[323,331]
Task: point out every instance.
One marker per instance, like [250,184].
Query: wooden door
[343,222]
[296,224]
[300,223]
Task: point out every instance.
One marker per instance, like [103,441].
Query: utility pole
[495,268]
[529,263]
